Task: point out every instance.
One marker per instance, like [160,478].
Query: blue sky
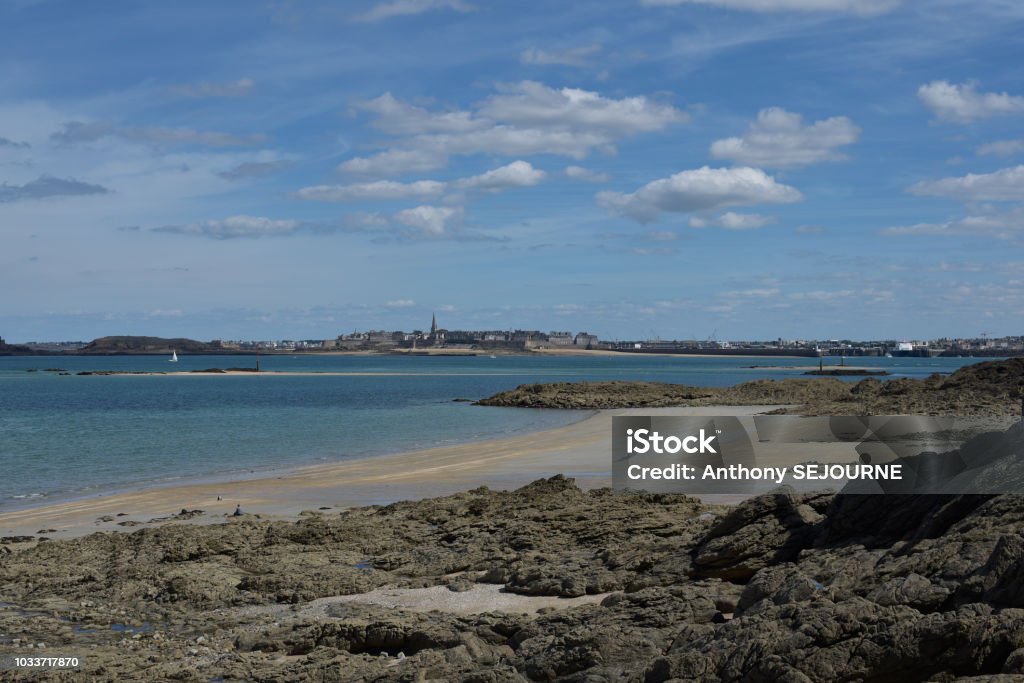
[637,168]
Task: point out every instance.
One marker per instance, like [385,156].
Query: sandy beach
[580,450]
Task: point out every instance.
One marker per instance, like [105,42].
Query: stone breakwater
[985,389]
[791,587]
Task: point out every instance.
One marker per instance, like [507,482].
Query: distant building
[560,338]
[437,335]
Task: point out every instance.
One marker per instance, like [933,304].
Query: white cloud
[1002,148]
[395,162]
[516,174]
[401,8]
[962,103]
[78,131]
[1004,225]
[734,221]
[400,303]
[523,118]
[236,226]
[701,189]
[377,190]
[758,293]
[531,104]
[779,139]
[861,7]
[46,187]
[242,86]
[577,56]
[401,118]
[516,141]
[581,173]
[429,221]
[1006,184]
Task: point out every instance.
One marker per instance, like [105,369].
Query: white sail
[174,356]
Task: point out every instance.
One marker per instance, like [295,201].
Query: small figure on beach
[238,511]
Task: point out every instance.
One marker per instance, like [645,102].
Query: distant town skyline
[674,169]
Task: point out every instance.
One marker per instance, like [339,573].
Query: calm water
[68,436]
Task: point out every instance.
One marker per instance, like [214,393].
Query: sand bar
[580,450]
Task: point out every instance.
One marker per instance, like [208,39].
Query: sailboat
[174,356]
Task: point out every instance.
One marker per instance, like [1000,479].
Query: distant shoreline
[413,353]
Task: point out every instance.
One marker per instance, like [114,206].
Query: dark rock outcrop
[983,389]
[784,587]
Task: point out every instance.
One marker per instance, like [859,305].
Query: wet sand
[580,450]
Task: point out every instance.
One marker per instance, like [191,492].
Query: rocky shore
[553,583]
[985,389]
[593,586]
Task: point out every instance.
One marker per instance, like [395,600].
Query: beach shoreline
[581,450]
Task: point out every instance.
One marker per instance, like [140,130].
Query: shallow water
[64,436]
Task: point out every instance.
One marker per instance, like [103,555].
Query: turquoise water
[65,436]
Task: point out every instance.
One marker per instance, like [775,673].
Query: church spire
[433,325]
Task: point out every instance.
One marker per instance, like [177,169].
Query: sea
[70,436]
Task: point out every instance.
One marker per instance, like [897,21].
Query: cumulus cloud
[861,7]
[516,141]
[400,303]
[962,103]
[531,104]
[78,132]
[395,162]
[421,222]
[429,221]
[377,190]
[236,227]
[581,173]
[577,56]
[779,139]
[242,86]
[1002,148]
[1001,225]
[702,189]
[734,221]
[402,8]
[1006,184]
[520,119]
[401,118]
[516,174]
[45,187]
